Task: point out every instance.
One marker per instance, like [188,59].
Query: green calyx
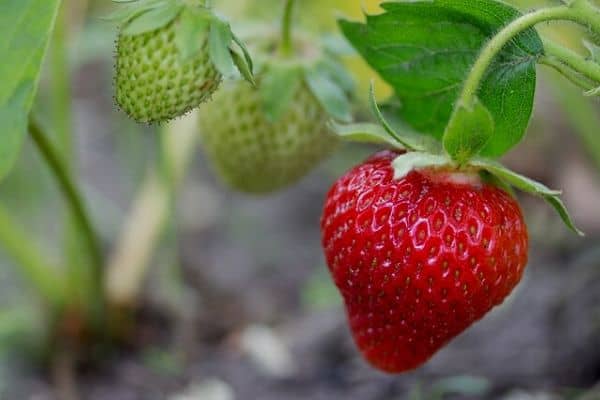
[323,75]
[421,152]
[195,21]
[292,62]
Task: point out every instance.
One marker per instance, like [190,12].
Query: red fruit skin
[419,259]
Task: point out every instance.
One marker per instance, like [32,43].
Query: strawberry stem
[573,76]
[581,13]
[286,29]
[569,58]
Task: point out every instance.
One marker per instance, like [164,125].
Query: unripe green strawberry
[256,155]
[153,82]
[172,56]
[263,139]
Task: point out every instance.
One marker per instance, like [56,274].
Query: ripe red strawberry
[419,259]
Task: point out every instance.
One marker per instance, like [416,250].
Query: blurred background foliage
[238,304]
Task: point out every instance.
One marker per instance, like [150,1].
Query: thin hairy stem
[573,76]
[584,66]
[521,24]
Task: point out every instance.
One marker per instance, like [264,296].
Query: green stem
[70,192]
[583,115]
[516,27]
[61,91]
[575,78]
[77,273]
[287,47]
[18,245]
[588,68]
[591,12]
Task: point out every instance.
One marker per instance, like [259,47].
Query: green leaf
[530,186]
[193,25]
[561,209]
[25,27]
[151,20]
[492,179]
[131,10]
[242,65]
[219,40]
[519,181]
[196,22]
[409,141]
[468,131]
[365,133]
[122,14]
[337,45]
[277,88]
[424,50]
[244,61]
[247,58]
[405,163]
[329,94]
[336,72]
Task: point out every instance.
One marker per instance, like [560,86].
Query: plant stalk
[61,96]
[574,77]
[70,192]
[287,45]
[584,66]
[77,265]
[591,12]
[583,116]
[521,24]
